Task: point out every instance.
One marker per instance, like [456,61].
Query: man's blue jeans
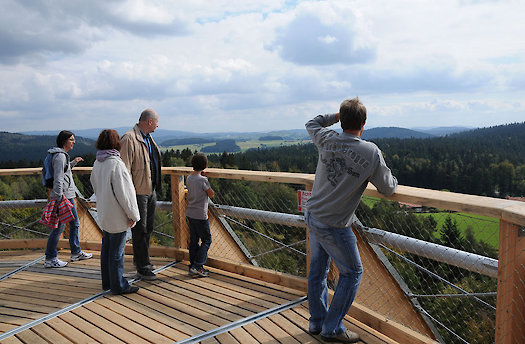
[339,244]
[54,235]
[199,229]
[112,262]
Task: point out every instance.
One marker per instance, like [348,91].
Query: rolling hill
[16,147]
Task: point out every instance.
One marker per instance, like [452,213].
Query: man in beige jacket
[141,156]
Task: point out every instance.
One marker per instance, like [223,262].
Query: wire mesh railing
[458,304]
[21,201]
[163,228]
[454,295]
[269,243]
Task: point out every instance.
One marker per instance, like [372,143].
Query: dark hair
[352,114]
[199,161]
[108,139]
[62,137]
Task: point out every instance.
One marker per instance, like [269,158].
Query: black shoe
[130,290]
[314,332]
[146,275]
[345,337]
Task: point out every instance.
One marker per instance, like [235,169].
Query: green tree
[451,235]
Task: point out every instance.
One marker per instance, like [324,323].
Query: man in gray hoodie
[346,165]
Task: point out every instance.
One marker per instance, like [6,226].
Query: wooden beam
[179,210]
[12,244]
[510,308]
[386,326]
[20,171]
[511,211]
[258,176]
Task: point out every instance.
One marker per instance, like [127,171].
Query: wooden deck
[43,306]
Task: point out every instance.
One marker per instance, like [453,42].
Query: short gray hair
[147,114]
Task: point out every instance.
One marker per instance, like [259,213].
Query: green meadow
[484,228]
[244,145]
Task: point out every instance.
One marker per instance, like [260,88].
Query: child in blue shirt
[199,190]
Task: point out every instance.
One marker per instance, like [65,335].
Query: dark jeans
[199,230]
[141,233]
[54,236]
[112,262]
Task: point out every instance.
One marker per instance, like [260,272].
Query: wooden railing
[510,313]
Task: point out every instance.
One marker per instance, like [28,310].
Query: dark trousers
[199,230]
[141,233]
[112,262]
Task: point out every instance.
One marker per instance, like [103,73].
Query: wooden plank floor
[173,308]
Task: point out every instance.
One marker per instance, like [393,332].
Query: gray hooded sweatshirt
[63,182]
[346,164]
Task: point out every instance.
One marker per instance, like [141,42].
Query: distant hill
[394,132]
[87,133]
[270,138]
[516,130]
[159,135]
[17,147]
[228,146]
[186,141]
[292,134]
[442,131]
[162,135]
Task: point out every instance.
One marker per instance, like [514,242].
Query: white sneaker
[81,256]
[54,263]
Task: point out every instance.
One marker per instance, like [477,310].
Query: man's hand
[132,223]
[78,159]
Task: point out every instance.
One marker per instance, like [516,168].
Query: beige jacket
[135,155]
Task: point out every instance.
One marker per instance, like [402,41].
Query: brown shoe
[345,337]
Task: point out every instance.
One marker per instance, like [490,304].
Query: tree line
[487,162]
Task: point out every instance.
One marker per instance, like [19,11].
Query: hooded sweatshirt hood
[106,153]
[56,150]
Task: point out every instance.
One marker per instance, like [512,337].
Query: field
[485,228]
[244,145]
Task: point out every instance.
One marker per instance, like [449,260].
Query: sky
[250,65]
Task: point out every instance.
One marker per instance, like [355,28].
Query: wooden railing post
[510,304]
[179,216]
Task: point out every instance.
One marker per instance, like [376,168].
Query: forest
[487,162]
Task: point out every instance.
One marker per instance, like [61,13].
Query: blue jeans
[141,233]
[112,262]
[199,230]
[339,244]
[54,236]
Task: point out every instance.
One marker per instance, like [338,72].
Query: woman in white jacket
[117,210]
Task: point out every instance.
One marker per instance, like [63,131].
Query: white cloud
[259,65]
[324,34]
